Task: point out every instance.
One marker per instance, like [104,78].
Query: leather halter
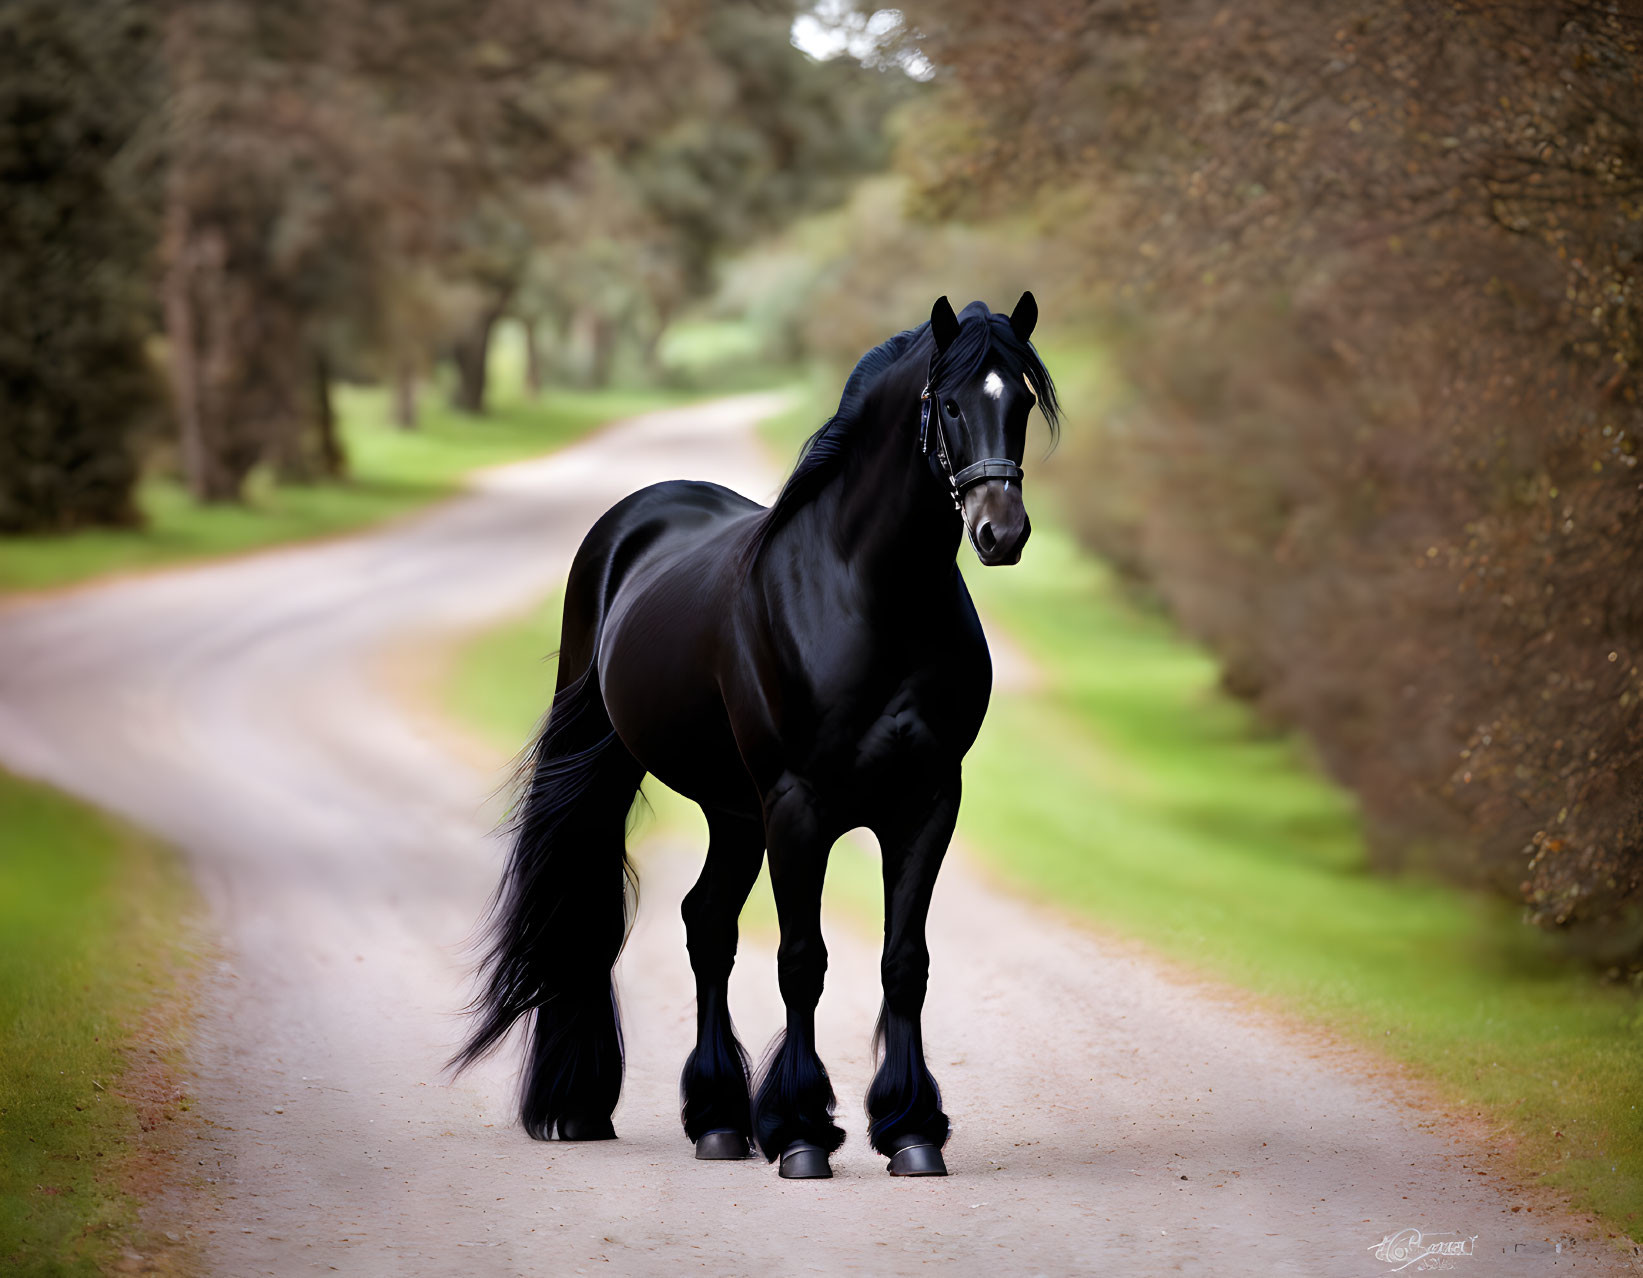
[975,473]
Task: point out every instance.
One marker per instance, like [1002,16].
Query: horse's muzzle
[996,516]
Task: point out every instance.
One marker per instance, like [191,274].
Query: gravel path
[1108,1118]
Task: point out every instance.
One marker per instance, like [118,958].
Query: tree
[277,197]
[75,240]
[1378,261]
[342,184]
[321,151]
[751,134]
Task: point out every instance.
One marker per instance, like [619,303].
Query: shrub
[1377,270]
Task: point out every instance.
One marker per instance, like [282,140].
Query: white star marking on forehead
[994,385]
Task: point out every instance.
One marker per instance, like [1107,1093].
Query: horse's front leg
[904,1104]
[793,1105]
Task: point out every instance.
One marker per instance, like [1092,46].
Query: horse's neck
[891,519]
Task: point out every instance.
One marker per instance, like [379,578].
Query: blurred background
[1336,603]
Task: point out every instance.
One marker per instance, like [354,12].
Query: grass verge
[1129,790]
[92,955]
[392,471]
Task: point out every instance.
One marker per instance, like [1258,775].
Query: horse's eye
[952,408]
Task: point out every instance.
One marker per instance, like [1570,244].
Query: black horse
[798,671]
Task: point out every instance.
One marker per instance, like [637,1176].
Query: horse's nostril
[985,538]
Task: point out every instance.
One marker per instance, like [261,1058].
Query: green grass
[392,472]
[1129,790]
[724,356]
[699,347]
[90,952]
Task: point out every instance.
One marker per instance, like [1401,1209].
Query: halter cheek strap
[975,473]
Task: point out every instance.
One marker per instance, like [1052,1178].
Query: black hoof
[721,1144]
[915,1158]
[804,1161]
[586,1129]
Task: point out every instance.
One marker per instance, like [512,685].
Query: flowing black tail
[559,919]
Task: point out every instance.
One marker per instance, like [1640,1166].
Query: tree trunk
[273,390]
[217,445]
[472,355]
[332,456]
[596,336]
[176,288]
[652,353]
[182,363]
[533,361]
[405,394]
[604,352]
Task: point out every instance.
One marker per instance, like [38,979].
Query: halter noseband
[975,473]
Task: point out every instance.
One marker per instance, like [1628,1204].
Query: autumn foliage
[1375,274]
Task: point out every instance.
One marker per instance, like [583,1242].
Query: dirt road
[1108,1119]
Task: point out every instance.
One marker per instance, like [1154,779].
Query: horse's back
[645,524]
[672,514]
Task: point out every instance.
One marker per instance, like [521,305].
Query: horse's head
[985,378]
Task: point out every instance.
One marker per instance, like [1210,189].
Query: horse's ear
[943,323]
[1025,316]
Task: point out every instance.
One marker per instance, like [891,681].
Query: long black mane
[983,338]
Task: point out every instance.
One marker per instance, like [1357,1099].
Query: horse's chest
[901,737]
[886,715]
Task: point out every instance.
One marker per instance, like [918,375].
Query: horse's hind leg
[793,1109]
[904,1104]
[713,1088]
